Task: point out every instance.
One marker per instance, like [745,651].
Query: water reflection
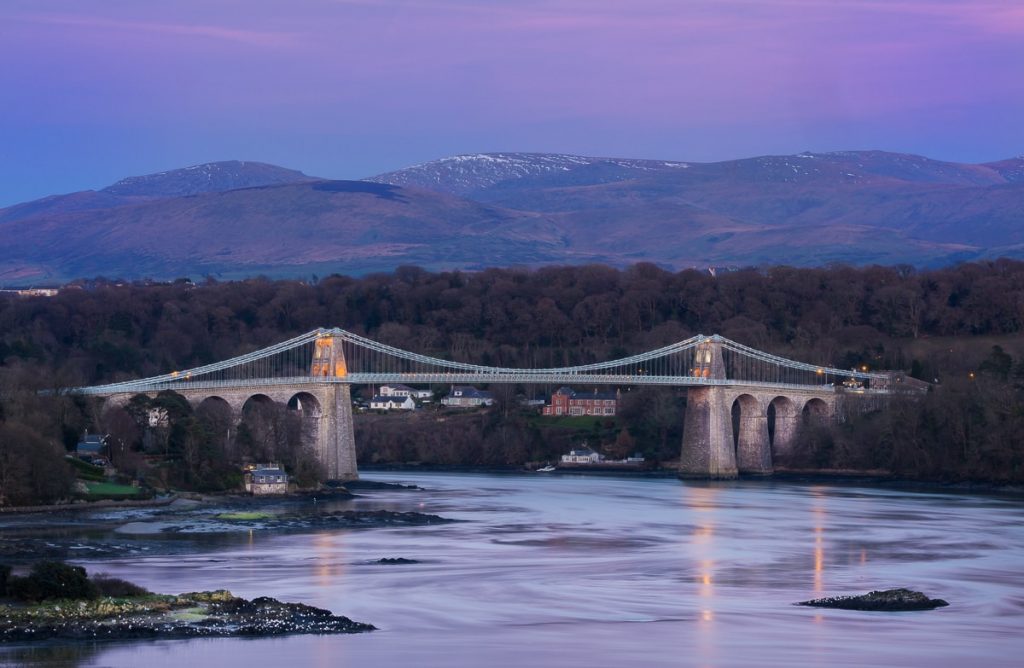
[702,500]
[819,518]
[328,551]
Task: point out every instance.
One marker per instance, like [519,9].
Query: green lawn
[109,489]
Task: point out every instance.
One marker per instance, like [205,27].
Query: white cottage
[392,403]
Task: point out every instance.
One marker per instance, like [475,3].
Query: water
[598,571]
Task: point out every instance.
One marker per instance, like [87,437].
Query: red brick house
[567,401]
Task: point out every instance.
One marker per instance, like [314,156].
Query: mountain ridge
[236,218]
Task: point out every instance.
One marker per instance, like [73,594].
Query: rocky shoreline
[157,616]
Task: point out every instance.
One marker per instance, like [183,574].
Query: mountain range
[234,219]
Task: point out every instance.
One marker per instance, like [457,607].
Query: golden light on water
[820,517]
[328,567]
[703,501]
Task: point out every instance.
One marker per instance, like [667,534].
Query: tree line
[938,324]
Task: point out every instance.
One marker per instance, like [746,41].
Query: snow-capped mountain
[464,174]
[500,209]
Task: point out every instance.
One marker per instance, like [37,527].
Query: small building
[582,456]
[392,403]
[464,396]
[399,390]
[92,446]
[266,479]
[567,401]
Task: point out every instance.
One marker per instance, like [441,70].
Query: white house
[582,456]
[404,391]
[266,479]
[392,403]
[464,396]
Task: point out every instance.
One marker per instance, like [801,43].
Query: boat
[547,469]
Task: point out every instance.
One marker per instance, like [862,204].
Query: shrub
[52,579]
[5,574]
[116,587]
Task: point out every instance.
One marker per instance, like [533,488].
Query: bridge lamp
[971,375]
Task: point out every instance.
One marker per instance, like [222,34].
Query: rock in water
[396,560]
[890,600]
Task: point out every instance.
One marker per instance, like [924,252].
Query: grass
[110,489]
[85,470]
[244,515]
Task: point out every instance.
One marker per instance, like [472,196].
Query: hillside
[237,219]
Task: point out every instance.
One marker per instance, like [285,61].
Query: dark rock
[396,560]
[890,600]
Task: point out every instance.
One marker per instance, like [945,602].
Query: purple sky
[94,90]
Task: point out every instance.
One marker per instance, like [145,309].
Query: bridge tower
[335,442]
[708,450]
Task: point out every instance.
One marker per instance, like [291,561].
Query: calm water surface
[585,571]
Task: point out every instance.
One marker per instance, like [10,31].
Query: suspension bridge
[313,373]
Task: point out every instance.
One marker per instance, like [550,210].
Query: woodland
[959,328]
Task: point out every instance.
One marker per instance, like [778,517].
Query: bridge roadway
[525,378]
[710,449]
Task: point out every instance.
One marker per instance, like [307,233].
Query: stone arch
[216,405]
[254,401]
[750,435]
[815,412]
[306,404]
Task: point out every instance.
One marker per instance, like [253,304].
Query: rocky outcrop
[197,614]
[890,600]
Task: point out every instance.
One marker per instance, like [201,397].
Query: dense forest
[958,327]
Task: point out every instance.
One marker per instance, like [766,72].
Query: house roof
[470,391]
[384,400]
[585,452]
[268,472]
[397,386]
